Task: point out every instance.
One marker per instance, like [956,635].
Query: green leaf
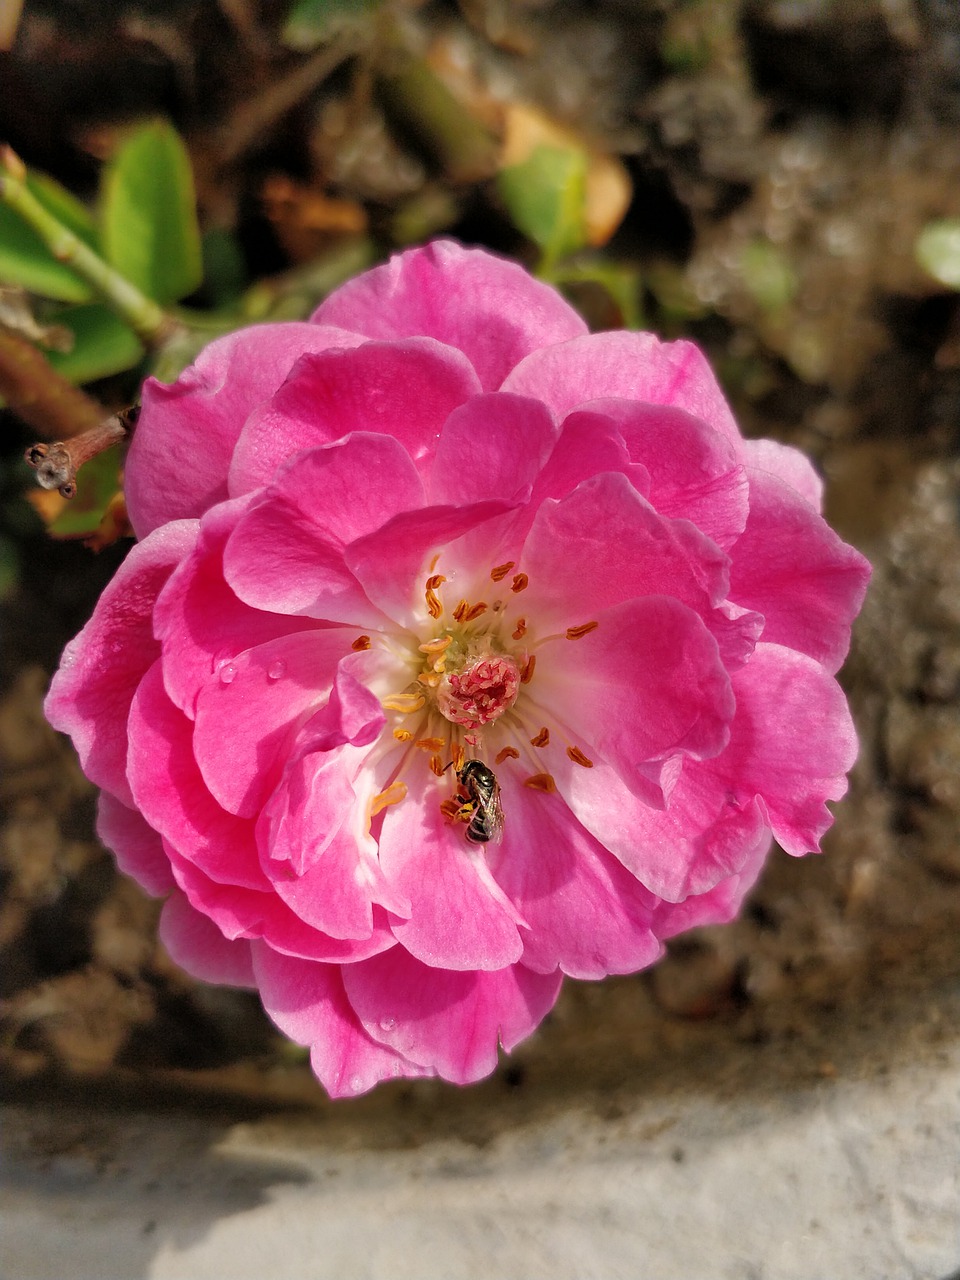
[26,261]
[545,199]
[937,249]
[767,274]
[310,22]
[102,344]
[148,214]
[97,482]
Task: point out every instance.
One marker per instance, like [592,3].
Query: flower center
[479,692]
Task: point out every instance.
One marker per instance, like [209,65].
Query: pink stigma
[479,693]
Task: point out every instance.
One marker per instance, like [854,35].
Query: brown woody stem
[57,464]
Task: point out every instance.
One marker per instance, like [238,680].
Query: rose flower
[461,649]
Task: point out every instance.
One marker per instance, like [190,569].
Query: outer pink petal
[308,1004]
[719,904]
[604,544]
[790,566]
[200,622]
[792,743]
[789,465]
[245,724]
[406,390]
[625,366]
[448,1022]
[460,919]
[197,945]
[583,911]
[137,848]
[647,683]
[286,553]
[170,793]
[248,913]
[178,461]
[495,446]
[491,310]
[90,695]
[694,471]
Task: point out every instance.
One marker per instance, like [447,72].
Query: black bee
[481,809]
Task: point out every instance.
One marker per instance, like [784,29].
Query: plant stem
[149,321]
[40,395]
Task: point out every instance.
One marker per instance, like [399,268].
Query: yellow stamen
[577,633]
[521,630]
[460,610]
[361,643]
[458,755]
[402,735]
[542,739]
[396,792]
[577,756]
[540,782]
[474,612]
[434,581]
[430,678]
[526,675]
[436,646]
[520,582]
[431,744]
[434,603]
[405,703]
[501,571]
[436,765]
[508,753]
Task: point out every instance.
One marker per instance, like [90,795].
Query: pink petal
[405,390]
[625,366]
[789,465]
[170,793]
[491,310]
[694,470]
[645,684]
[604,544]
[583,911]
[286,553]
[247,721]
[248,913]
[792,743]
[718,905]
[137,848]
[790,566]
[90,695]
[448,1022]
[197,946]
[495,446]
[308,1004]
[200,622]
[459,919]
[169,475]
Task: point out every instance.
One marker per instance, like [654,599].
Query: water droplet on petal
[227,672]
[387,1024]
[276,669]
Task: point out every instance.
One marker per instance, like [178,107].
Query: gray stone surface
[853,1179]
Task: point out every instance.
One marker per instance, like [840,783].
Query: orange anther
[402,735]
[436,646]
[541,739]
[508,753]
[501,571]
[436,765]
[458,754]
[474,611]
[434,581]
[520,582]
[430,678]
[396,792]
[541,782]
[577,633]
[526,675]
[431,744]
[521,629]
[460,610]
[403,702]
[361,643]
[577,756]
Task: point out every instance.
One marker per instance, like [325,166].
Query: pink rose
[442,523]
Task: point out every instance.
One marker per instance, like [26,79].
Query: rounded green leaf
[102,344]
[148,214]
[938,250]
[545,197]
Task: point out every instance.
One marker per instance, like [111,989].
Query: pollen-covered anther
[436,766]
[458,754]
[450,808]
[474,611]
[435,580]
[507,753]
[540,782]
[521,629]
[436,646]
[431,744]
[577,756]
[430,678]
[541,739]
[434,603]
[526,674]
[461,610]
[402,735]
[393,794]
[500,571]
[405,703]
[361,643]
[584,629]
[520,582]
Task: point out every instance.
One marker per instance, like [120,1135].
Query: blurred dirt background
[780,161]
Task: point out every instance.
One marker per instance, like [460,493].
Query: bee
[480,808]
